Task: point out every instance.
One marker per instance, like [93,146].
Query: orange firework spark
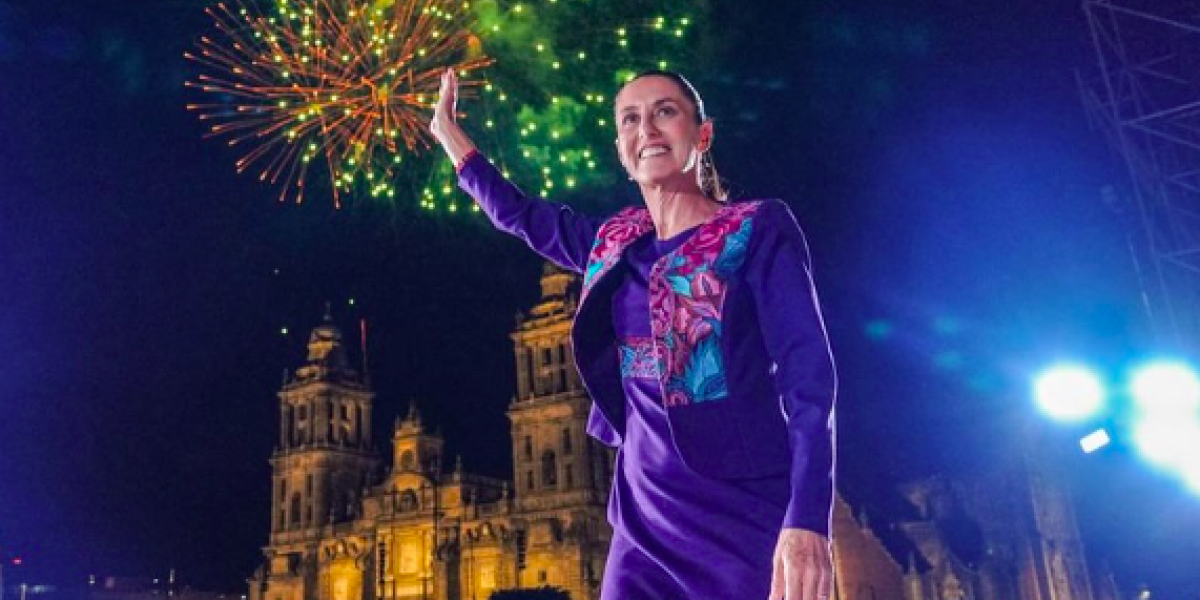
[344,81]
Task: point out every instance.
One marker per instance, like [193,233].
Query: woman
[703,350]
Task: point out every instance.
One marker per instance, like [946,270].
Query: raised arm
[551,229]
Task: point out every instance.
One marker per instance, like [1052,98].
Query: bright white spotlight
[1068,393]
[1167,390]
[1094,441]
[1191,477]
[1169,443]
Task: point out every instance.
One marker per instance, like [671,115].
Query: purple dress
[677,533]
[659,506]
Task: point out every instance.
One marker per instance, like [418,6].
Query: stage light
[1095,441]
[1167,390]
[1168,442]
[1068,393]
[1191,476]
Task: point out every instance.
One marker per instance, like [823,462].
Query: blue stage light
[1068,393]
[1169,390]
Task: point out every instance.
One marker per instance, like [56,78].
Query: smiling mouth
[652,152]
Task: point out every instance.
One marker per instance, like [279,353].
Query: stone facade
[426,529]
[864,567]
[1008,534]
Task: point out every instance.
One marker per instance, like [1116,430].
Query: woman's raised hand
[444,125]
[443,111]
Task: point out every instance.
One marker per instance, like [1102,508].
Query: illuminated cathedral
[345,525]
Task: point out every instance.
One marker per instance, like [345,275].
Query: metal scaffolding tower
[1147,101]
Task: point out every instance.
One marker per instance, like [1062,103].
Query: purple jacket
[763,406]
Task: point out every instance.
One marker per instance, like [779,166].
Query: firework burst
[344,84]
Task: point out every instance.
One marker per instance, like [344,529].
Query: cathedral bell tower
[414,450]
[324,457]
[554,460]
[561,475]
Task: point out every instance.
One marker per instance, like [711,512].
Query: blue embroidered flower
[733,253]
[704,376]
[680,284]
[639,360]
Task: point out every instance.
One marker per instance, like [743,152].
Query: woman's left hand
[803,566]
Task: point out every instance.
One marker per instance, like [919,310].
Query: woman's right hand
[444,125]
[443,111]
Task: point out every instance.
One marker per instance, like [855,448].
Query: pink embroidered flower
[707,240]
[684,316]
[615,234]
[702,313]
[661,306]
[661,303]
[706,286]
[626,225]
[704,308]
[681,320]
[697,330]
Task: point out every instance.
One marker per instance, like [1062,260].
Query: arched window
[549,468]
[408,501]
[407,461]
[566,441]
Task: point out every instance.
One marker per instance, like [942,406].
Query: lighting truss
[1146,100]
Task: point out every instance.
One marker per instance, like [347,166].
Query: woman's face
[658,139]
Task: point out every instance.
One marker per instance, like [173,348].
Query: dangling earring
[712,183]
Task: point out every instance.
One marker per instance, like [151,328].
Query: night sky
[936,152]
